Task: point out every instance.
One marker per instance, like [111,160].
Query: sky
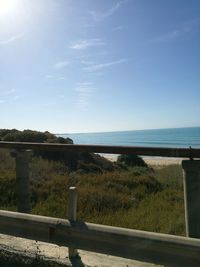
[71,66]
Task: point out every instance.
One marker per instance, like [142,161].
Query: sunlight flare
[9,7]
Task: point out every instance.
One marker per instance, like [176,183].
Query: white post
[72,208]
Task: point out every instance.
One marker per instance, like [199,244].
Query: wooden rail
[143,151]
[139,245]
[156,248]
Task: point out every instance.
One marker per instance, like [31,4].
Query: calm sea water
[179,137]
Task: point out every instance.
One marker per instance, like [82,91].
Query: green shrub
[7,188]
[84,162]
[131,160]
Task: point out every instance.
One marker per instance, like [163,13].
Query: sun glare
[9,8]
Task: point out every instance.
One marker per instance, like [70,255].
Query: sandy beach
[159,161]
[152,161]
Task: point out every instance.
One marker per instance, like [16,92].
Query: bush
[85,162]
[131,160]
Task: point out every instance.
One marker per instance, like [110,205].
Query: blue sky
[88,66]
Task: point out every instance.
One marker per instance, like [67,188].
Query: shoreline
[159,161]
[152,161]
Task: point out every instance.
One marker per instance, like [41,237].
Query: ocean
[175,137]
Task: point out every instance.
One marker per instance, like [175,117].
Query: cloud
[56,77]
[118,28]
[85,91]
[61,78]
[98,16]
[166,37]
[83,44]
[191,24]
[9,95]
[97,67]
[15,98]
[183,29]
[61,96]
[8,92]
[11,39]
[84,87]
[87,62]
[61,64]
[48,104]
[48,76]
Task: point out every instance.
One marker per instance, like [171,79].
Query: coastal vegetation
[74,161]
[131,160]
[118,194]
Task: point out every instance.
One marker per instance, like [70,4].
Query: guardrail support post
[22,158]
[191,181]
[72,210]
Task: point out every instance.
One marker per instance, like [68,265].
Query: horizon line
[117,131]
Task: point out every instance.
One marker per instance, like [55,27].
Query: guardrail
[151,247]
[142,151]
[157,248]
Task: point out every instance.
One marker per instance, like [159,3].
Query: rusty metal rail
[142,151]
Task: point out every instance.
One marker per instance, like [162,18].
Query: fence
[151,247]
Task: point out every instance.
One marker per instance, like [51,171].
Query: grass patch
[137,198]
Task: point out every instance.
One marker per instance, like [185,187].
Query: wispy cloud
[8,92]
[48,76]
[11,39]
[54,77]
[83,44]
[118,28]
[97,67]
[192,24]
[48,104]
[85,91]
[61,78]
[61,64]
[166,37]
[61,96]
[98,16]
[16,97]
[9,95]
[87,62]
[181,30]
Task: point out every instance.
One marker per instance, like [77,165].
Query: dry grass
[137,198]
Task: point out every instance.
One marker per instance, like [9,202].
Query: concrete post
[22,158]
[191,181]
[72,209]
